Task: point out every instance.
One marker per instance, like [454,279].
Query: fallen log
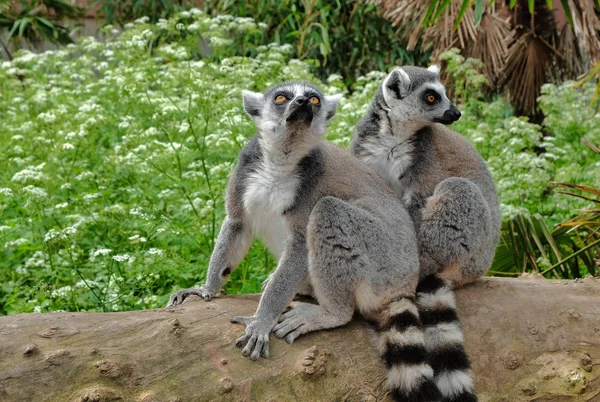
[529,340]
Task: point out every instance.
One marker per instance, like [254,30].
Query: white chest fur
[389,159]
[269,192]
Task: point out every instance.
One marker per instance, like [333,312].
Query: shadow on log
[529,340]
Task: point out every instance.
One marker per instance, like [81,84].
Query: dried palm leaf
[525,72]
[491,46]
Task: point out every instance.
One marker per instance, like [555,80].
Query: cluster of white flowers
[30,173]
[35,193]
[100,251]
[156,251]
[63,234]
[123,257]
[137,239]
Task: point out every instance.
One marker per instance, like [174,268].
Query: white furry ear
[331,102]
[396,85]
[434,68]
[253,102]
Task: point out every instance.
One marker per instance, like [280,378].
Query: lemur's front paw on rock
[179,296]
[256,337]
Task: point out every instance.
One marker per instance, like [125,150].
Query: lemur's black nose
[455,112]
[301,100]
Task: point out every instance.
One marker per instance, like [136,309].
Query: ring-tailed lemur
[328,218]
[451,197]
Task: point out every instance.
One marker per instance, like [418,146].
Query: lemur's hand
[257,336]
[179,296]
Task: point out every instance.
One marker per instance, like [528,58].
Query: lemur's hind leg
[455,224]
[334,267]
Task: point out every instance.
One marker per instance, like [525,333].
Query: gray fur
[438,175]
[442,181]
[332,223]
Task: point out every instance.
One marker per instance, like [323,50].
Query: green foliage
[123,11]
[115,162]
[36,20]
[116,155]
[526,161]
[437,7]
[345,37]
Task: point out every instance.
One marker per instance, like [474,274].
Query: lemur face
[290,105]
[416,93]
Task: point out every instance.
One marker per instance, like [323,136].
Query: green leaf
[512,3]
[461,13]
[565,6]
[478,12]
[549,4]
[440,10]
[426,21]
[531,6]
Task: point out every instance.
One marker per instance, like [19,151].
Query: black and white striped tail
[402,346]
[444,340]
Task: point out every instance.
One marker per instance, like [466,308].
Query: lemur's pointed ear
[331,102]
[434,68]
[396,85]
[253,102]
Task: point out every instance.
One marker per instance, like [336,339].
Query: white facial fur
[270,118]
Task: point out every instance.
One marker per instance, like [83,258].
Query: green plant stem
[571,256]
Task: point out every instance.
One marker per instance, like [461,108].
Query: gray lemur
[329,220]
[452,200]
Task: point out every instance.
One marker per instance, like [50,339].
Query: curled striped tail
[444,340]
[402,346]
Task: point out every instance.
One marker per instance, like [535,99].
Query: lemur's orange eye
[314,100]
[431,99]
[280,99]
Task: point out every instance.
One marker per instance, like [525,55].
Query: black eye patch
[430,96]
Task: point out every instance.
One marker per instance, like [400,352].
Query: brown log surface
[529,340]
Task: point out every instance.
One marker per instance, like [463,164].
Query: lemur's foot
[302,318]
[256,336]
[179,296]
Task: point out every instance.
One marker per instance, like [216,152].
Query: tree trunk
[529,339]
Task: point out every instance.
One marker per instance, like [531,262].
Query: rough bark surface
[529,340]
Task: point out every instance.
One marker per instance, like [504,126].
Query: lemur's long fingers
[265,349]
[250,345]
[239,342]
[260,343]
[284,328]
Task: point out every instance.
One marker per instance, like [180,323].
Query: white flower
[122,257]
[6,192]
[63,234]
[61,292]
[30,173]
[61,206]
[137,239]
[35,192]
[67,146]
[89,197]
[156,251]
[4,227]
[17,243]
[38,259]
[100,251]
